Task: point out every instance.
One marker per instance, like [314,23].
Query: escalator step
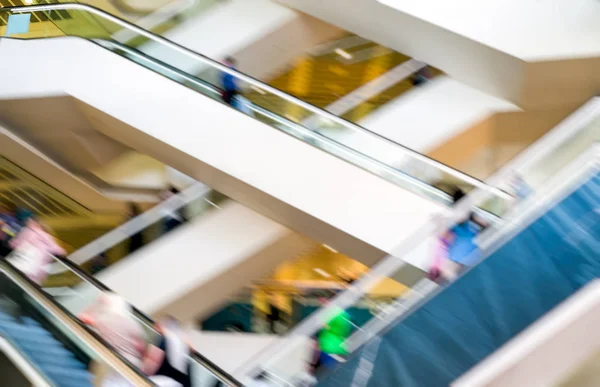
[54,348]
[31,322]
[6,317]
[25,338]
[68,378]
[14,325]
[66,373]
[16,332]
[32,337]
[45,359]
[74,383]
[70,383]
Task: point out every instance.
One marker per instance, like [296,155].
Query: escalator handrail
[519,219]
[588,160]
[257,109]
[148,321]
[85,334]
[392,263]
[256,83]
[492,218]
[576,170]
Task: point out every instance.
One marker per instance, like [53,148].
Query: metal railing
[515,221]
[584,119]
[313,135]
[400,149]
[139,223]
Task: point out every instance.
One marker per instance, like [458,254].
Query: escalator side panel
[537,270]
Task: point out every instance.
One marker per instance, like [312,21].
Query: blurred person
[99,263]
[346,276]
[520,187]
[171,357]
[9,228]
[229,82]
[11,222]
[274,316]
[260,381]
[34,248]
[421,77]
[332,337]
[22,215]
[306,377]
[112,317]
[136,240]
[172,218]
[243,104]
[457,249]
[439,257]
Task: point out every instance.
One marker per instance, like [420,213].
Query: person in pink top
[112,317]
[33,250]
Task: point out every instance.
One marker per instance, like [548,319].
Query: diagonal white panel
[288,180]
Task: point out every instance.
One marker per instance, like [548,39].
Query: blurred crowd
[29,246]
[27,243]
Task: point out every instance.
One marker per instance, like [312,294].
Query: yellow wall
[559,83]
[289,277]
[490,143]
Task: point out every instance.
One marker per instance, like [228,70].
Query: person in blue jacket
[229,82]
[463,252]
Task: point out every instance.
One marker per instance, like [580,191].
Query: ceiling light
[259,90]
[343,54]
[330,248]
[322,272]
[212,204]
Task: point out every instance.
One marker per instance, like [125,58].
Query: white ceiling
[528,29]
[57,128]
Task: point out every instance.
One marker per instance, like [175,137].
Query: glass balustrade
[142,230]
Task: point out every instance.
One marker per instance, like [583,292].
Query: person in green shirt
[332,337]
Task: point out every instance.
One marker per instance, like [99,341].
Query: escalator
[542,251]
[61,350]
[222,152]
[220,248]
[256,160]
[544,257]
